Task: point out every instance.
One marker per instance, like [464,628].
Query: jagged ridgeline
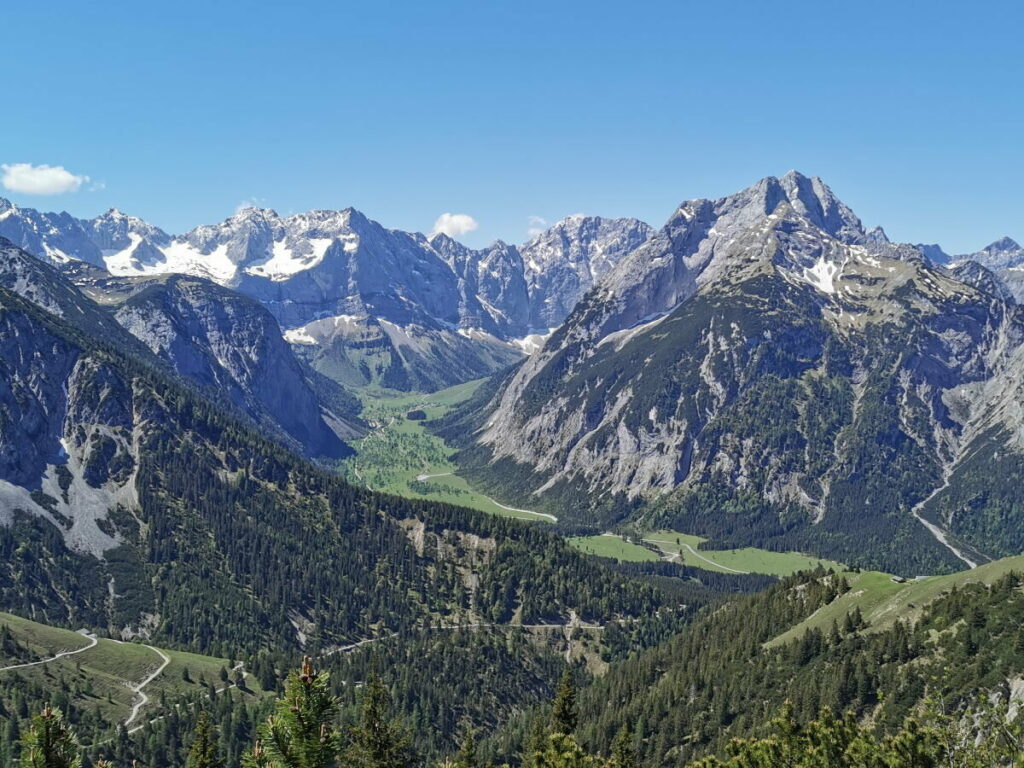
[361,303]
[132,504]
[764,371]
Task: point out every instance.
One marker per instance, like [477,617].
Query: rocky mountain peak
[933,252]
[1004,253]
[565,261]
[1001,245]
[877,235]
[656,385]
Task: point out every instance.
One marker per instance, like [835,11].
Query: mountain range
[135,499]
[365,303]
[765,371]
[763,353]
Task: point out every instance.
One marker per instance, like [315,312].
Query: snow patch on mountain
[289,259]
[533,342]
[822,275]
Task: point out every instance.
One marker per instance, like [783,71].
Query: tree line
[302,732]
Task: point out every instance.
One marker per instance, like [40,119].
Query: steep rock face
[493,295]
[564,262]
[760,355]
[226,343]
[67,445]
[233,345]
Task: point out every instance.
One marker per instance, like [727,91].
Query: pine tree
[299,733]
[467,756]
[562,751]
[378,741]
[49,742]
[563,711]
[536,741]
[204,752]
[623,750]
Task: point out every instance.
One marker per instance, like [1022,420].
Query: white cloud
[31,179]
[252,202]
[454,224]
[537,224]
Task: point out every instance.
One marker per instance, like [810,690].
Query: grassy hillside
[882,601]
[684,548]
[102,677]
[610,545]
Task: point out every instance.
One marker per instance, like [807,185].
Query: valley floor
[400,456]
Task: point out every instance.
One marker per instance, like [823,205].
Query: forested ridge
[716,691]
[238,544]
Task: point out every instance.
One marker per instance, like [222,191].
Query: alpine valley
[767,466]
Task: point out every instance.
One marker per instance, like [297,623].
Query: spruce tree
[467,756]
[204,752]
[563,711]
[623,750]
[299,734]
[378,741]
[49,742]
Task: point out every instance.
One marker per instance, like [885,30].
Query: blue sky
[911,111]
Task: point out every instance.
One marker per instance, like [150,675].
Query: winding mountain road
[62,655]
[141,698]
[240,666]
[544,515]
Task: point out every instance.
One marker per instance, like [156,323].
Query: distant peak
[354,215]
[878,235]
[444,242]
[254,212]
[934,252]
[1002,244]
[796,176]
